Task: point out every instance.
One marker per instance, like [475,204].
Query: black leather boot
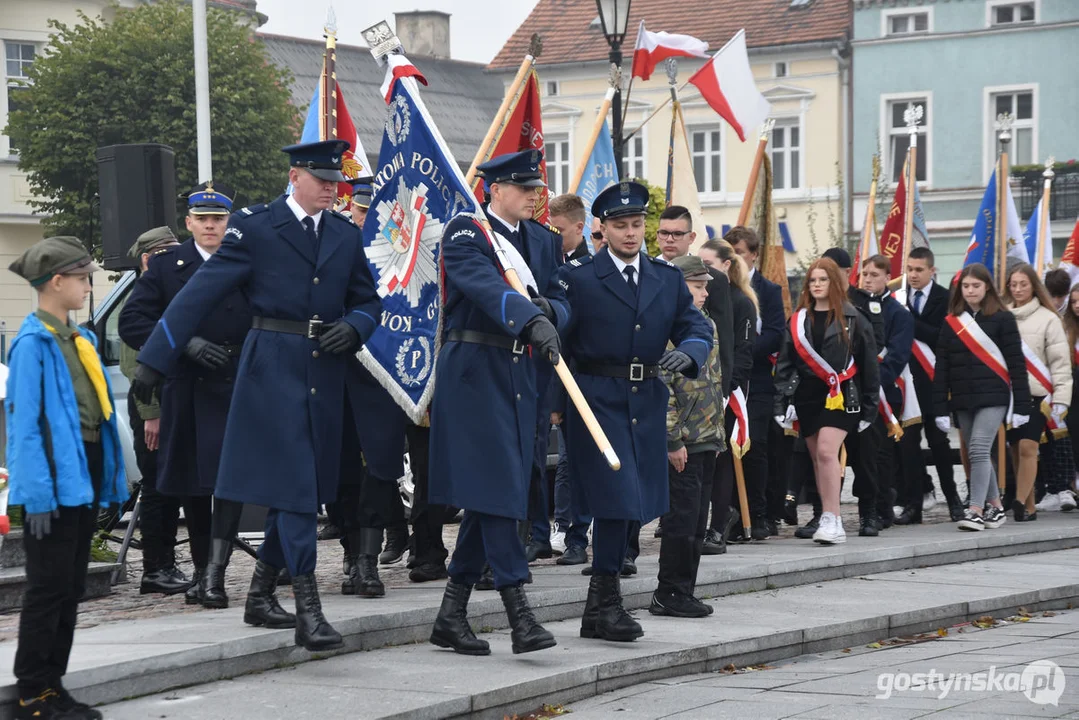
[612,621]
[487,579]
[591,609]
[351,584]
[396,544]
[368,583]
[212,588]
[451,628]
[262,608]
[313,631]
[527,634]
[912,515]
[191,597]
[157,574]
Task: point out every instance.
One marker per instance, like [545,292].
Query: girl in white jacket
[1049,368]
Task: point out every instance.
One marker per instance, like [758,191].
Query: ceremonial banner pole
[1004,126]
[328,96]
[597,126]
[1044,218]
[751,186]
[870,229]
[202,91]
[511,96]
[672,80]
[911,116]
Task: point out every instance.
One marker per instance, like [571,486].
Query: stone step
[12,552]
[138,657]
[13,584]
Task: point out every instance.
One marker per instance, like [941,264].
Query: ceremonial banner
[397,67]
[682,185]
[417,189]
[355,163]
[1070,259]
[891,236]
[654,47]
[1032,237]
[726,84]
[523,131]
[600,173]
[983,240]
[763,219]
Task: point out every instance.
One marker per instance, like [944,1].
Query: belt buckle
[314,329]
[518,347]
[636,372]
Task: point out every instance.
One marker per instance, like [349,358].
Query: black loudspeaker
[137,187]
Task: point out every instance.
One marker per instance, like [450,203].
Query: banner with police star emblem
[418,188]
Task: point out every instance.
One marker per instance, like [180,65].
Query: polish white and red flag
[726,83]
[397,67]
[655,47]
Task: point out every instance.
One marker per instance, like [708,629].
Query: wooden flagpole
[1004,126]
[911,116]
[1044,218]
[328,94]
[509,100]
[754,172]
[597,127]
[870,227]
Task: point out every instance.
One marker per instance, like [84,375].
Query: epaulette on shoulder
[660,260]
[166,252]
[552,228]
[254,209]
[342,216]
[580,262]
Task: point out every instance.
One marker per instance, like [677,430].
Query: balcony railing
[1064,196]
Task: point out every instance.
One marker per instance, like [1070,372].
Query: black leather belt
[634,371]
[481,338]
[311,328]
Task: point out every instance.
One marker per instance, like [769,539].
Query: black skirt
[809,401]
[1034,427]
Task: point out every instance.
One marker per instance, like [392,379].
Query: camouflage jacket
[695,407]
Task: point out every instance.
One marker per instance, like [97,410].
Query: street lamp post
[614,16]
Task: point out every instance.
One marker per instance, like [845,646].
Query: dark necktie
[312,234]
[917,302]
[629,272]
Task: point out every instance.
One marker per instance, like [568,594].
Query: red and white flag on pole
[726,83]
[1070,260]
[655,47]
[397,67]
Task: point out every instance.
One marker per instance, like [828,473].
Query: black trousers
[916,481]
[723,493]
[862,449]
[755,462]
[685,523]
[55,582]
[779,464]
[428,548]
[363,500]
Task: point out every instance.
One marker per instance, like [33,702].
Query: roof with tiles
[570,35]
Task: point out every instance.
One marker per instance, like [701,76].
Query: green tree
[657,202]
[132,80]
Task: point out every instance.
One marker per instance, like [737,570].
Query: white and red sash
[818,365]
[975,339]
[739,440]
[911,412]
[894,429]
[925,357]
[1040,372]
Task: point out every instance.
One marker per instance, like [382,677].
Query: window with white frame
[899,138]
[705,147]
[1020,105]
[787,154]
[1012,13]
[556,153]
[552,88]
[633,157]
[781,69]
[18,59]
[908,23]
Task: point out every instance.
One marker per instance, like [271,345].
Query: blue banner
[418,189]
[982,247]
[600,173]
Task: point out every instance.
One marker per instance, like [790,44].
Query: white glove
[1019,421]
[863,425]
[787,420]
[1059,409]
[944,423]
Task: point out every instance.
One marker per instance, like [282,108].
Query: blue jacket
[769,339]
[899,340]
[46,459]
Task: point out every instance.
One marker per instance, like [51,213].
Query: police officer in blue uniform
[625,306]
[485,407]
[196,395]
[313,300]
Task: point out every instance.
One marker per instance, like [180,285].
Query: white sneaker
[558,542]
[1067,501]
[929,501]
[1051,503]
[830,530]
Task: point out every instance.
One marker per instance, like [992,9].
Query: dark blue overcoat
[485,407]
[194,400]
[283,439]
[380,424]
[610,326]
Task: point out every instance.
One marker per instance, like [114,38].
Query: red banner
[891,237]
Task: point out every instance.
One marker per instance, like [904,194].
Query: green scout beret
[53,256]
[152,240]
[692,267]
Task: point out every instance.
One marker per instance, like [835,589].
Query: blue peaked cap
[624,198]
[519,168]
[322,159]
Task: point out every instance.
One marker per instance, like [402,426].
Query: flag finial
[382,41]
[535,45]
[672,70]
[1048,173]
[766,128]
[912,116]
[1004,127]
[331,22]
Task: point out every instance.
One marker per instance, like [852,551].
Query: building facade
[798,54]
[966,61]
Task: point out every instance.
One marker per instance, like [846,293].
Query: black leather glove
[544,305]
[541,335]
[338,338]
[207,354]
[145,383]
[40,524]
[675,361]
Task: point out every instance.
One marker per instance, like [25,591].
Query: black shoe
[911,515]
[212,588]
[46,706]
[868,526]
[351,584]
[451,628]
[74,708]
[604,616]
[790,510]
[527,634]
[955,509]
[262,608]
[368,540]
[330,531]
[574,555]
[707,608]
[1019,512]
[714,544]
[806,531]
[587,570]
[313,631]
[426,572]
[191,596]
[676,605]
[487,579]
[396,544]
[659,530]
[772,526]
[629,567]
[163,582]
[759,529]
[536,550]
[733,528]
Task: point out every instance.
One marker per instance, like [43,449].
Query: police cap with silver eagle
[322,159]
[63,255]
[624,198]
[209,198]
[519,168]
[362,191]
[157,238]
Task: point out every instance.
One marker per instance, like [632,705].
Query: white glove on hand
[787,420]
[1019,421]
[944,424]
[1059,409]
[863,425]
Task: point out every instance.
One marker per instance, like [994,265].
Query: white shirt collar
[299,212]
[204,253]
[621,265]
[515,227]
[752,272]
